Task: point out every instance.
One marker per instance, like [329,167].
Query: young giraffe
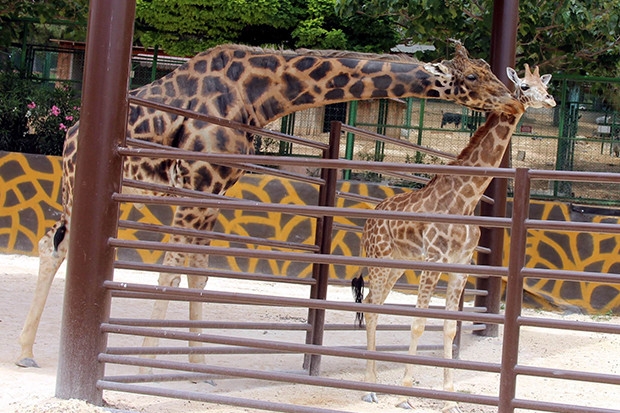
[254,87]
[444,243]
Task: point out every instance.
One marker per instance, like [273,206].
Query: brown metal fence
[223,335]
[86,363]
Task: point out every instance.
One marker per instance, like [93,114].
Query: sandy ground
[32,390]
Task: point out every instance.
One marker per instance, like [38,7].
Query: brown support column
[320,272]
[503,51]
[94,218]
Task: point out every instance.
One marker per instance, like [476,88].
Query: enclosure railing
[222,341]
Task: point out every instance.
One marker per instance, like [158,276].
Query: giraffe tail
[59,236]
[357,287]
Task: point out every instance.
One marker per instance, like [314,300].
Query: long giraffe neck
[461,193]
[298,82]
[255,86]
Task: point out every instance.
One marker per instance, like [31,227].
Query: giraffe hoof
[371,398]
[404,405]
[27,362]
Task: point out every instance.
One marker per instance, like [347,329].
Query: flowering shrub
[49,115]
[34,117]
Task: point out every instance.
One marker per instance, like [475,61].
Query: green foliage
[185,27]
[13,120]
[575,36]
[34,117]
[13,13]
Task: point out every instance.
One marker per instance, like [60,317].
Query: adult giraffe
[441,242]
[252,86]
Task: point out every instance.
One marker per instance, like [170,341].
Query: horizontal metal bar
[568,374]
[211,398]
[219,325]
[597,227]
[316,211]
[302,379]
[557,407]
[215,350]
[289,347]
[215,235]
[210,272]
[310,258]
[236,159]
[162,377]
[554,274]
[239,325]
[227,350]
[190,294]
[569,325]
[574,176]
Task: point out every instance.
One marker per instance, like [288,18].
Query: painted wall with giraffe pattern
[30,204]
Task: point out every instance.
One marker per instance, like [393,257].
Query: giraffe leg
[428,281]
[371,345]
[202,219]
[160,307]
[381,281]
[456,284]
[49,262]
[208,219]
[195,308]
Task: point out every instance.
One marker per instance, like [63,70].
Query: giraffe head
[532,89]
[474,85]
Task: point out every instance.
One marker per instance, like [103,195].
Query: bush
[50,114]
[34,117]
[13,120]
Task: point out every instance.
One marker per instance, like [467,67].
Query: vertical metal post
[94,218]
[561,133]
[418,154]
[503,49]
[381,129]
[154,67]
[24,52]
[287,127]
[320,272]
[350,145]
[408,109]
[514,291]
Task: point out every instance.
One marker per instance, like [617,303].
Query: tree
[575,36]
[185,27]
[71,14]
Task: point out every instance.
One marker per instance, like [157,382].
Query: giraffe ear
[545,79]
[513,76]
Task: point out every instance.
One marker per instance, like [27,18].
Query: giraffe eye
[525,87]
[471,77]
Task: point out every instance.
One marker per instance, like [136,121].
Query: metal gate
[91,290]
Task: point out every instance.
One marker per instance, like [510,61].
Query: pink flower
[69,118]
[62,127]
[32,105]
[55,110]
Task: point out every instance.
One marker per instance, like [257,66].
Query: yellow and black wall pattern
[30,204]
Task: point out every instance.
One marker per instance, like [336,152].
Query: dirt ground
[32,390]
